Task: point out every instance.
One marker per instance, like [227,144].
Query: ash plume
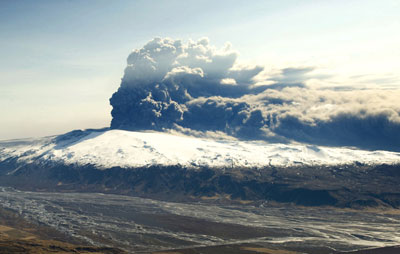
[194,86]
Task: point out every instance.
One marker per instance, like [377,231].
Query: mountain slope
[106,149]
[171,167]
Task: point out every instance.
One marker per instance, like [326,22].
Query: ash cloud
[196,87]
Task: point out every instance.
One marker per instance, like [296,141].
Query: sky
[62,60]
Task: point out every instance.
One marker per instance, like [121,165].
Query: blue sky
[62,60]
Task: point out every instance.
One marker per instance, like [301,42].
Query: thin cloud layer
[195,87]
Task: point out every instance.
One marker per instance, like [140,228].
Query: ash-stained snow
[130,149]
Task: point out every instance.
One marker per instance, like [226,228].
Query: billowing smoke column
[194,86]
[167,84]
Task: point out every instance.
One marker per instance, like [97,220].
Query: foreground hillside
[20,236]
[171,167]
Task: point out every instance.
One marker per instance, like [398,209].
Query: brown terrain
[19,236]
[253,249]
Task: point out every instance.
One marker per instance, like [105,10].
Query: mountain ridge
[181,168]
[106,148]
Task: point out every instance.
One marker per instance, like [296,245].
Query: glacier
[129,149]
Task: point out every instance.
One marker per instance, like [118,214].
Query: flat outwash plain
[138,225]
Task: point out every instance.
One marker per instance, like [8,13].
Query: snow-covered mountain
[176,167]
[130,149]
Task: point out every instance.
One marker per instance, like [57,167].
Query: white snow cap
[106,149]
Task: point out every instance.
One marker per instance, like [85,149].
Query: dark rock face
[342,186]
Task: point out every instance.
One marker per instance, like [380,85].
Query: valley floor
[44,221]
